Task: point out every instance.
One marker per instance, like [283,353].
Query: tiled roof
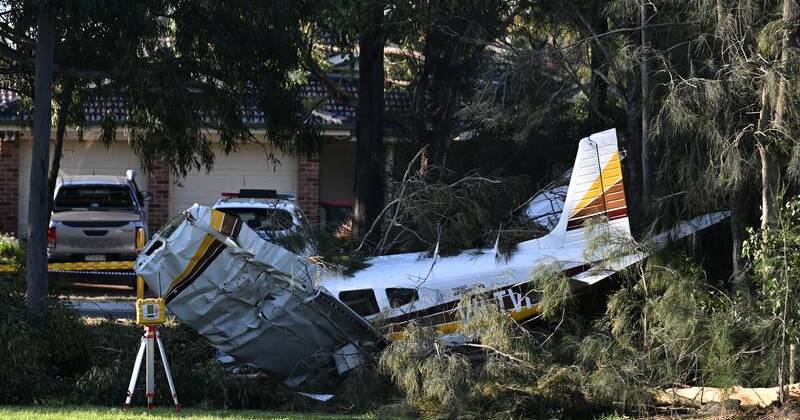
[328,111]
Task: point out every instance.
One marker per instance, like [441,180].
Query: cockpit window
[166,230]
[361,301]
[401,296]
[262,219]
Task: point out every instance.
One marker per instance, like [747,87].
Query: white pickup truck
[97,218]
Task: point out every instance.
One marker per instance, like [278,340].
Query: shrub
[200,380]
[500,371]
[90,362]
[11,250]
[37,363]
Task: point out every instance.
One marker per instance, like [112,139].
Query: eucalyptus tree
[190,74]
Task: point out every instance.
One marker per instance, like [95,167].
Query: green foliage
[34,360]
[662,327]
[665,325]
[365,388]
[501,371]
[454,212]
[434,380]
[11,251]
[774,312]
[201,381]
[78,362]
[556,292]
[181,75]
[775,257]
[726,104]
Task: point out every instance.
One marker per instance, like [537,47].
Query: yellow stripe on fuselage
[216,223]
[523,314]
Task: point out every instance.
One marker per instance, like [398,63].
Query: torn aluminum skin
[256,301]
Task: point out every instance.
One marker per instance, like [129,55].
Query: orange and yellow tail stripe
[606,196]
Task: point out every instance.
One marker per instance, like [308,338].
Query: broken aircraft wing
[258,303]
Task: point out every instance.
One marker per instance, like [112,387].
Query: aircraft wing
[661,241]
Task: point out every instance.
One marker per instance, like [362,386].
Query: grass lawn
[91,412]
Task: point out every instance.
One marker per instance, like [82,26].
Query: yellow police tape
[78,266]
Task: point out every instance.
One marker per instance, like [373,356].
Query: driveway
[104,309]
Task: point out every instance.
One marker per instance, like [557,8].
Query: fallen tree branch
[496,351]
[393,202]
[748,397]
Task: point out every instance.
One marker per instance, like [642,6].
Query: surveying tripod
[150,313]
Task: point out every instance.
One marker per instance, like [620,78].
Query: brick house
[315,180]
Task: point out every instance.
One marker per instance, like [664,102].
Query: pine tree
[724,113]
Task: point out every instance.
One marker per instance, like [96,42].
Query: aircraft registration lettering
[518,301]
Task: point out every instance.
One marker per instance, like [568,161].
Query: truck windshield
[94,197]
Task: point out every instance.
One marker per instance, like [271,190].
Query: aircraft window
[361,301]
[400,296]
[167,230]
[270,220]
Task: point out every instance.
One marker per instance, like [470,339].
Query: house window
[361,301]
[401,296]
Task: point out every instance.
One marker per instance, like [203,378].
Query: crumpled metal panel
[254,300]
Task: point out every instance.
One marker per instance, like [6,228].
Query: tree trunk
[598,87]
[36,258]
[388,187]
[437,92]
[769,185]
[441,112]
[369,122]
[739,212]
[773,174]
[780,100]
[645,123]
[419,127]
[64,105]
[633,158]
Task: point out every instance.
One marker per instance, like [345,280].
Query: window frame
[370,311]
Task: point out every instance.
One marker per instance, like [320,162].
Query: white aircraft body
[274,309]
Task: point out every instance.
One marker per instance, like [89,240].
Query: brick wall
[308,187]
[9,184]
[158,207]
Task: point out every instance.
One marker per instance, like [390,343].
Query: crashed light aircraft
[276,310]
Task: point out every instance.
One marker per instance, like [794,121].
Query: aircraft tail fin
[596,189]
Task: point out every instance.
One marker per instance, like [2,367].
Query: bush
[501,371]
[90,362]
[37,363]
[11,251]
[663,326]
[200,380]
